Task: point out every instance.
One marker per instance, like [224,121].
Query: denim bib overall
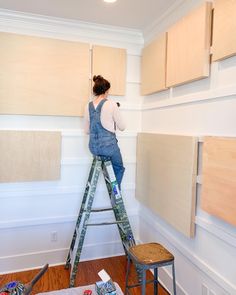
[103,142]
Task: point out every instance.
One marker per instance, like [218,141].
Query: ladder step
[107,179]
[100,210]
[104,223]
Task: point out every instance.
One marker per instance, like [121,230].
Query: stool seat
[150,253]
[146,257]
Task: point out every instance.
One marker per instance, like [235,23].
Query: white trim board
[228,92]
[21,223]
[72,132]
[216,230]
[18,192]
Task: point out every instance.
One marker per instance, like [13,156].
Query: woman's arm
[118,119]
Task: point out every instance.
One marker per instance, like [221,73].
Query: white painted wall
[205,107]
[32,212]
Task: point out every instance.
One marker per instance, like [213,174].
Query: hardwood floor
[57,277]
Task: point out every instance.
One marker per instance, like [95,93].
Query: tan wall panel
[219,178]
[42,76]
[224,28]
[111,64]
[29,156]
[188,47]
[153,66]
[166,178]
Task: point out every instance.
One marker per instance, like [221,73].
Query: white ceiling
[134,14]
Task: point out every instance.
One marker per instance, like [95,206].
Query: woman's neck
[98,98]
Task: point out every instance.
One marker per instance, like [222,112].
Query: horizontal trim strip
[217,231]
[52,191]
[73,132]
[88,161]
[80,133]
[224,92]
[54,220]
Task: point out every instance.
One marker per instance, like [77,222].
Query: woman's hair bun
[101,85]
[96,78]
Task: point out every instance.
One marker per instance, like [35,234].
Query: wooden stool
[149,256]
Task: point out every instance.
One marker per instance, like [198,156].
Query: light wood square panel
[43,76]
[224,29]
[111,64]
[153,66]
[188,47]
[219,178]
[166,178]
[29,156]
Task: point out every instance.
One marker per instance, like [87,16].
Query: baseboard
[34,260]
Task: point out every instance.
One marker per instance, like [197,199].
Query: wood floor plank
[57,277]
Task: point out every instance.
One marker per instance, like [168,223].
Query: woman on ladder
[102,117]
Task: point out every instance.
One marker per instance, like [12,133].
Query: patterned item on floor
[79,291]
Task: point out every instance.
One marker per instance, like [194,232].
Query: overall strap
[100,105]
[98,108]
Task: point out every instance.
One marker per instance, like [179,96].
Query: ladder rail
[82,209]
[91,194]
[86,193]
[117,206]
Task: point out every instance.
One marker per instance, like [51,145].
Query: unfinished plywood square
[111,64]
[29,156]
[43,76]
[219,178]
[224,27]
[188,47]
[153,66]
[166,178]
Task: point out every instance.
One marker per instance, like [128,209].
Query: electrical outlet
[54,236]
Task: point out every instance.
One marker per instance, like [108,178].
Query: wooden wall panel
[153,66]
[111,64]
[224,28]
[29,156]
[219,178]
[42,76]
[166,178]
[188,47]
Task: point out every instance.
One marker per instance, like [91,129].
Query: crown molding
[44,26]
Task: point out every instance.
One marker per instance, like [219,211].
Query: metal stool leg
[173,277]
[156,281]
[144,282]
[127,276]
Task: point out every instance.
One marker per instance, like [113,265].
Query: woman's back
[110,117]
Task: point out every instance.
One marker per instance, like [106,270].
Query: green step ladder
[99,164]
